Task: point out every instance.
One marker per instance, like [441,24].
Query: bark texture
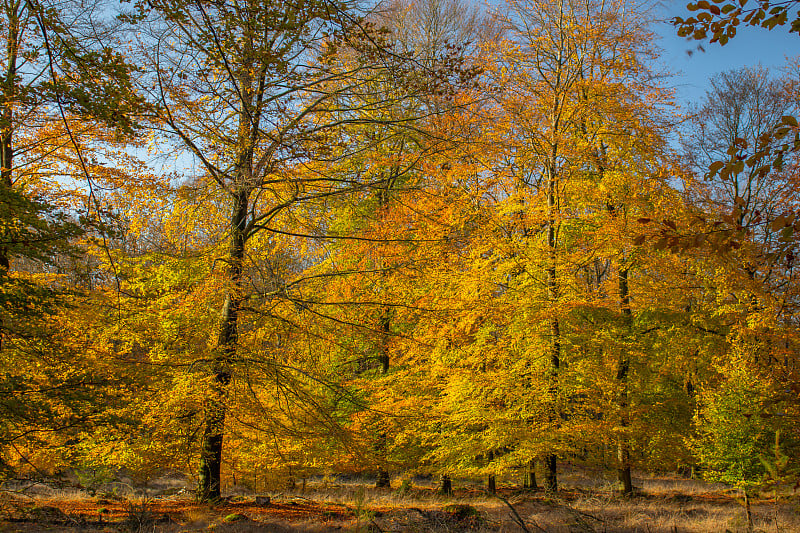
[210,478]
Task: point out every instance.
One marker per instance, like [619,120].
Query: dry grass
[587,503]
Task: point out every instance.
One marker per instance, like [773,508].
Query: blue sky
[750,47]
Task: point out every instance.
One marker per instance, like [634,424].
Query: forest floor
[586,503]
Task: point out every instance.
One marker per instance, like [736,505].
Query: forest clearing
[589,503]
[399,265]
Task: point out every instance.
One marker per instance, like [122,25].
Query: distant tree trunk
[550,462]
[446,486]
[623,360]
[210,482]
[383,481]
[385,326]
[9,95]
[491,482]
[550,479]
[529,479]
[623,367]
[748,511]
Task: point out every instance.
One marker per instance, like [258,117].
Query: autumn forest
[260,241]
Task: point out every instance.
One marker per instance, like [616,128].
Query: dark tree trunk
[491,483]
[211,458]
[383,481]
[7,116]
[624,470]
[623,367]
[529,479]
[551,470]
[7,128]
[550,474]
[446,486]
[210,482]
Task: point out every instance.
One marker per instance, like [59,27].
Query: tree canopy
[260,241]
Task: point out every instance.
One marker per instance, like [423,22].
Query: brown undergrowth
[661,505]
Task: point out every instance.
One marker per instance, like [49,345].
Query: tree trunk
[7,129]
[386,330]
[550,474]
[383,481]
[210,481]
[551,471]
[748,511]
[623,366]
[529,479]
[446,486]
[7,115]
[491,482]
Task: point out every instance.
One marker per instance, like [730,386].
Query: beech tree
[484,362]
[252,92]
[57,89]
[718,22]
[562,64]
[50,80]
[740,110]
[393,237]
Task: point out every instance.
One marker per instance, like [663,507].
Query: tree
[741,107]
[740,110]
[445,38]
[53,77]
[565,127]
[750,153]
[49,77]
[481,363]
[763,156]
[250,90]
